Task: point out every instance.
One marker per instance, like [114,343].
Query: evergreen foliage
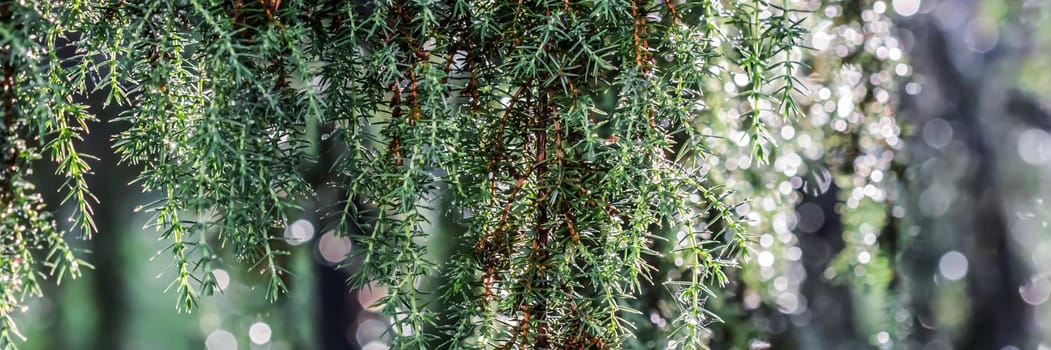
[831,209]
[567,136]
[39,118]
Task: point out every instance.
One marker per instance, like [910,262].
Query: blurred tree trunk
[969,90]
[829,321]
[111,186]
[337,313]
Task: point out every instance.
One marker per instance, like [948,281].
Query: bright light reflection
[953,265]
[299,232]
[221,340]
[375,346]
[368,297]
[334,248]
[906,7]
[1036,291]
[259,333]
[222,278]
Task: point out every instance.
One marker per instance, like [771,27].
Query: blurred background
[908,210]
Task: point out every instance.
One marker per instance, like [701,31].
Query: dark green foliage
[566,134]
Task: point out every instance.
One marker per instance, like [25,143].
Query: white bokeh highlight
[953,265]
[259,333]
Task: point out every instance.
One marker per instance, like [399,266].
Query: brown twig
[270,7]
[499,139]
[674,13]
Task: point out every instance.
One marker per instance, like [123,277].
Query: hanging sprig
[37,116]
[218,128]
[763,47]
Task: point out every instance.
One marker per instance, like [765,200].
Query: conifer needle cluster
[567,136]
